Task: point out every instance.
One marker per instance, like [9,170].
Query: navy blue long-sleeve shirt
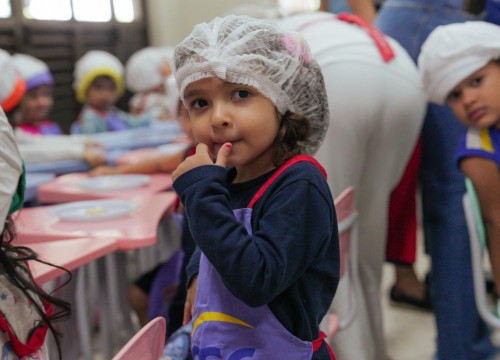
[290,262]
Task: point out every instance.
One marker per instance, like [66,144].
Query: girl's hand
[202,157]
[92,144]
[94,158]
[101,170]
[190,298]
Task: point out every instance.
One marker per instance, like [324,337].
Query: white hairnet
[10,167]
[34,71]
[93,64]
[12,86]
[453,52]
[143,70]
[243,50]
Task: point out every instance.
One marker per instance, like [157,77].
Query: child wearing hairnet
[258,205]
[26,311]
[33,147]
[460,65]
[147,72]
[98,84]
[31,115]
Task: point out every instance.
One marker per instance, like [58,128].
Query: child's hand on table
[94,158]
[102,170]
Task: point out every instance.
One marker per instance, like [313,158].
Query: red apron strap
[317,343]
[283,167]
[36,339]
[379,39]
[381,42]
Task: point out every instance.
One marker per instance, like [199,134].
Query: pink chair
[346,218]
[147,343]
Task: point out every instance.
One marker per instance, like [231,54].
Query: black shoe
[401,298]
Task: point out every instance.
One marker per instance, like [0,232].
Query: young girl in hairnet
[26,311]
[98,85]
[147,73]
[33,147]
[460,65]
[31,116]
[259,208]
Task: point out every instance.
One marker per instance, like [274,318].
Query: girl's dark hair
[294,128]
[13,264]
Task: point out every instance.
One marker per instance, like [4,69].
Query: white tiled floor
[410,333]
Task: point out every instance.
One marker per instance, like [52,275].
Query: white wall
[170,21]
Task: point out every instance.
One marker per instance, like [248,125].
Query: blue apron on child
[114,122]
[226,328]
[50,128]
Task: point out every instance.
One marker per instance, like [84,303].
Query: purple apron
[114,122]
[226,328]
[164,286]
[50,129]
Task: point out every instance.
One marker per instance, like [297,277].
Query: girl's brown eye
[242,94]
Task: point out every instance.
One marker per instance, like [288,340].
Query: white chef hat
[12,86]
[244,50]
[34,71]
[144,69]
[93,64]
[453,52]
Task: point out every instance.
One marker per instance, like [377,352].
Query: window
[124,11]
[47,9]
[294,6]
[5,9]
[92,10]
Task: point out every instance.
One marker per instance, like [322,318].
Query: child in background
[98,85]
[146,74]
[35,148]
[26,311]
[460,65]
[266,225]
[31,116]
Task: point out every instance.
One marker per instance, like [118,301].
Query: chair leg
[105,311]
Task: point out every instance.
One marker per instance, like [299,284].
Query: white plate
[94,210]
[114,182]
[172,148]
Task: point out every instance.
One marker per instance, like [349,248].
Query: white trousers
[376,117]
[376,114]
[375,122]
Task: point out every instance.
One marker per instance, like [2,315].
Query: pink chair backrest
[346,219]
[346,215]
[146,344]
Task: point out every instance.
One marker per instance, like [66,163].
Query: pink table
[69,254]
[139,229]
[72,254]
[65,189]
